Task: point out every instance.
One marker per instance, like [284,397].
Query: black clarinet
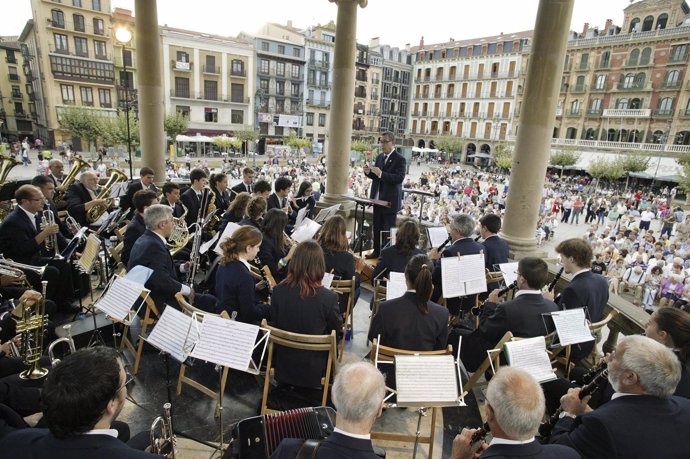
[588,389]
[481,434]
[445,243]
[555,279]
[264,278]
[478,309]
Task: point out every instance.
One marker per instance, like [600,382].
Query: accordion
[258,437]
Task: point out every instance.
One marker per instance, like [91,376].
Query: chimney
[421,43]
[609,23]
[585,29]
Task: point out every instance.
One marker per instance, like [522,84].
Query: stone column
[535,128]
[343,96]
[150,86]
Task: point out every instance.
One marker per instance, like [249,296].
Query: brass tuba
[6,165]
[78,165]
[31,327]
[179,235]
[116,176]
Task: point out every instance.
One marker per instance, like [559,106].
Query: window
[210,90]
[80,47]
[600,82]
[665,106]
[634,25]
[104,98]
[86,96]
[635,104]
[595,106]
[14,76]
[16,92]
[210,64]
[127,80]
[127,57]
[679,53]
[622,104]
[628,81]
[18,108]
[96,5]
[296,52]
[237,117]
[10,58]
[295,89]
[646,56]
[263,84]
[181,87]
[295,71]
[182,56]
[99,50]
[584,61]
[648,23]
[210,115]
[280,106]
[237,93]
[310,119]
[575,107]
[264,66]
[182,110]
[634,57]
[280,88]
[79,22]
[67,93]
[98,27]
[237,67]
[280,68]
[61,45]
[281,49]
[673,78]
[58,18]
[76,3]
[322,119]
[264,46]
[605,60]
[661,21]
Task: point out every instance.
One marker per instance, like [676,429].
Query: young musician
[304,198]
[276,250]
[192,197]
[219,186]
[300,304]
[171,197]
[235,286]
[396,257]
[145,182]
[246,185]
[256,208]
[141,200]
[279,199]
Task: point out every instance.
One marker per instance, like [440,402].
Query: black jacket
[17,241]
[336,446]
[530,450]
[134,231]
[150,251]
[391,259]
[389,186]
[77,196]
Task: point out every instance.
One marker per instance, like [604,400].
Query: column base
[520,248]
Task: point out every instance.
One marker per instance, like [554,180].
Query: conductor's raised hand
[366,168]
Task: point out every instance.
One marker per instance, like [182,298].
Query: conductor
[387,176]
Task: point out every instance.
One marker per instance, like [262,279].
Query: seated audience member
[412,322]
[357,394]
[634,279]
[615,274]
[81,398]
[81,197]
[254,215]
[644,374]
[395,257]
[300,304]
[276,250]
[514,410]
[235,286]
[671,290]
[141,200]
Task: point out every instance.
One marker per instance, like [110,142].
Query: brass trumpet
[31,327]
[51,242]
[162,437]
[14,269]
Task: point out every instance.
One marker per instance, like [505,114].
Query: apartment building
[319,45]
[17,106]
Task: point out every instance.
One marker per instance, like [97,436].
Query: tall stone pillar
[343,95]
[535,128]
[150,86]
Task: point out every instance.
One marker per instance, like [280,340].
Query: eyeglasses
[386,141]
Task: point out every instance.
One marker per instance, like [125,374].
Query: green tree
[84,123]
[225,142]
[360,146]
[449,144]
[604,169]
[502,154]
[563,157]
[246,135]
[633,162]
[115,130]
[684,160]
[175,124]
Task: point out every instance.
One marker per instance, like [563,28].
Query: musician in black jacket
[246,185]
[386,176]
[136,228]
[254,214]
[43,183]
[171,197]
[395,257]
[495,248]
[219,185]
[276,251]
[81,197]
[279,198]
[145,182]
[192,197]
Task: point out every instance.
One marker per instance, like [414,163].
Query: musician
[256,209]
[304,198]
[275,251]
[300,304]
[22,239]
[237,209]
[514,410]
[81,398]
[413,322]
[386,177]
[145,183]
[586,289]
[246,185]
[495,248]
[171,197]
[43,183]
[219,185]
[279,198]
[357,394]
[262,188]
[344,265]
[522,316]
[396,257]
[461,230]
[235,286]
[151,251]
[642,420]
[56,175]
[81,197]
[141,200]
[192,197]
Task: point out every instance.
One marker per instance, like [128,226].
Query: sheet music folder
[426,381]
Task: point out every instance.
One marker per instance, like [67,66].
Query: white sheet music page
[301,215]
[120,297]
[571,326]
[306,231]
[473,272]
[426,380]
[437,235]
[207,245]
[170,333]
[530,355]
[327,280]
[226,342]
[393,233]
[450,278]
[396,286]
[509,271]
[227,232]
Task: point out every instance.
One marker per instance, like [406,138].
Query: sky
[395,22]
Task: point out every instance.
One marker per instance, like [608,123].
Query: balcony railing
[212,69]
[181,65]
[633,87]
[603,88]
[574,112]
[16,95]
[238,72]
[675,58]
[627,113]
[622,145]
[317,102]
[684,113]
[10,59]
[594,112]
[319,64]
[663,112]
[13,77]
[578,88]
[670,84]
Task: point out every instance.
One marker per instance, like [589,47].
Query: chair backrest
[493,277]
[189,309]
[387,354]
[596,326]
[116,251]
[343,285]
[120,233]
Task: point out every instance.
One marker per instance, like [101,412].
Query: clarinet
[264,278]
[555,279]
[480,435]
[588,389]
[478,309]
[445,243]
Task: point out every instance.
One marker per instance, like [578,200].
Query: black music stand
[359,232]
[423,194]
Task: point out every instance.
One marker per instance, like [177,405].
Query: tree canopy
[502,154]
[564,157]
[83,123]
[175,124]
[449,144]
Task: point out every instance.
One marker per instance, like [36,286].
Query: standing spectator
[646,219]
[577,210]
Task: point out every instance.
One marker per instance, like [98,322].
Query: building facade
[124,57]
[320,49]
[366,110]
[17,99]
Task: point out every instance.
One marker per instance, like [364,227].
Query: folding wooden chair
[595,329]
[151,316]
[494,358]
[346,287]
[387,354]
[315,343]
[182,378]
[379,296]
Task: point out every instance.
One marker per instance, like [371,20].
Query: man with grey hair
[151,251]
[514,410]
[357,394]
[81,197]
[461,230]
[643,418]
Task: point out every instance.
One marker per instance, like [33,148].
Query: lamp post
[124,36]
[257,102]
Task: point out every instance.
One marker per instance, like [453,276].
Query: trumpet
[14,269]
[162,437]
[67,339]
[32,327]
[478,309]
[51,242]
[72,225]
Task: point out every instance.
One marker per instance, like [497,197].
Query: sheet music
[120,297]
[451,285]
[226,342]
[172,331]
[301,215]
[426,380]
[327,212]
[393,231]
[119,189]
[509,271]
[306,231]
[437,235]
[207,245]
[396,286]
[571,326]
[327,280]
[227,232]
[473,273]
[530,355]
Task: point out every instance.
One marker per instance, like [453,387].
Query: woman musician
[396,257]
[276,250]
[236,211]
[304,198]
[256,208]
[219,185]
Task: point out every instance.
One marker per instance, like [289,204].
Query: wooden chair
[182,378]
[380,290]
[387,354]
[315,343]
[151,316]
[346,287]
[495,358]
[120,233]
[595,329]
[116,251]
[559,354]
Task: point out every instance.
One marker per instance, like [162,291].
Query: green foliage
[683,158]
[224,142]
[603,169]
[502,154]
[449,144]
[115,132]
[634,162]
[246,135]
[175,125]
[84,123]
[360,146]
[296,142]
[685,183]
[564,156]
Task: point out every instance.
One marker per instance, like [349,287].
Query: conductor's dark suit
[41,444]
[312,315]
[77,196]
[386,188]
[529,450]
[464,246]
[336,446]
[631,426]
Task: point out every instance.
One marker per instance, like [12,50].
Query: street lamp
[124,36]
[258,97]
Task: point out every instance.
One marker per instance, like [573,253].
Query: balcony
[670,85]
[361,94]
[324,85]
[663,113]
[684,113]
[10,59]
[361,77]
[677,58]
[374,97]
[574,112]
[564,88]
[633,87]
[603,88]
[627,113]
[211,69]
[181,66]
[238,73]
[16,95]
[578,88]
[319,64]
[317,102]
[13,77]
[582,67]
[375,82]
[594,112]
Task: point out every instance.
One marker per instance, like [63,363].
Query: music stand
[423,194]
[363,202]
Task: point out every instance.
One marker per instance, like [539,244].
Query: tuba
[78,165]
[31,327]
[6,165]
[179,235]
[116,176]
